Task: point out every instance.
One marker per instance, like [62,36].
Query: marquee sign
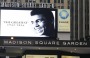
[16,29]
[45,43]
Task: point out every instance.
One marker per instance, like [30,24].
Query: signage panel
[16,29]
[66,56]
[63,20]
[41,56]
[28,22]
[44,43]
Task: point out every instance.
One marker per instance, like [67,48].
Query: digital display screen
[30,22]
[41,56]
[66,56]
[63,20]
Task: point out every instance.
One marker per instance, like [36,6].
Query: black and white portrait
[39,22]
[42,22]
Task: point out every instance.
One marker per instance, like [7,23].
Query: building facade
[41,3]
[80,26]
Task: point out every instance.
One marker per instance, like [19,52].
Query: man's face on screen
[38,23]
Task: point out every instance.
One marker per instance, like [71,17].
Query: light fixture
[38,48]
[12,37]
[71,51]
[21,48]
[57,48]
[75,49]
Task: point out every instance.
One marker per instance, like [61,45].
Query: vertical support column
[84,19]
[78,20]
[89,18]
[71,19]
[74,19]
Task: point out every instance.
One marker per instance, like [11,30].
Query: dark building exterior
[79,19]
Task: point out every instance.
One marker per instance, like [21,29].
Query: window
[26,0]
[55,1]
[59,7]
[15,0]
[5,0]
[40,1]
[48,1]
[58,1]
[44,1]
[30,0]
[37,5]
[68,7]
[34,1]
[11,0]
[19,0]
[62,7]
[62,1]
